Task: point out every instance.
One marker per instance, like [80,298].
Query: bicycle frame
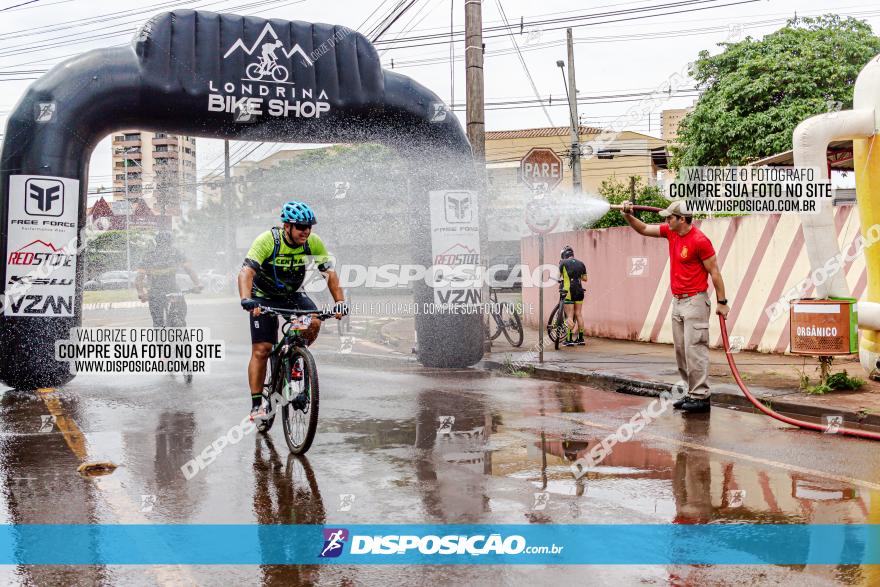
[290,337]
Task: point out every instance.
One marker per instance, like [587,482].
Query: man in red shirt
[691,262]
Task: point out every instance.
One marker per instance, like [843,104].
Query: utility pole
[632,190]
[473,55]
[577,184]
[574,121]
[227,204]
[476,128]
[127,213]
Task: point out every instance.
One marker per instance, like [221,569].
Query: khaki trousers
[690,335]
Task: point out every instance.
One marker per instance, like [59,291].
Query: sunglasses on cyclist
[302,227]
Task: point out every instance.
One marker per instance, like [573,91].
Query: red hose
[771,413]
[799,423]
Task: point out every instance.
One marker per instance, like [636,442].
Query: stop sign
[541,169]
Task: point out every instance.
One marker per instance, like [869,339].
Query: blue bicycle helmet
[298,213]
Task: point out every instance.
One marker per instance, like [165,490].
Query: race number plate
[300,322]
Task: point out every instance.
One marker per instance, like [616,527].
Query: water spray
[755,402]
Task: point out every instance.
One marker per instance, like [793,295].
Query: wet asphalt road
[378,441]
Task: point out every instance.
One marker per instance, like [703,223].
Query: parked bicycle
[556,326]
[504,319]
[175,315]
[292,380]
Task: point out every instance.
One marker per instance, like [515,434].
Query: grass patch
[109,296]
[839,381]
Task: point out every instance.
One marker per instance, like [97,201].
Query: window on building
[132,137]
[161,148]
[161,135]
[120,176]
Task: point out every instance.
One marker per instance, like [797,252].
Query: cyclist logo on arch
[268,65]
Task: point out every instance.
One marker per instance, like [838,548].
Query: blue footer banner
[623,544]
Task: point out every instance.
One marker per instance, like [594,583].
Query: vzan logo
[266,87]
[44,197]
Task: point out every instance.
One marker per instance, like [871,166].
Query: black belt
[687,295]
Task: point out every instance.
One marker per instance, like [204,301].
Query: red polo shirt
[686,256]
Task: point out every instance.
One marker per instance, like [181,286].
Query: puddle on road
[459,438]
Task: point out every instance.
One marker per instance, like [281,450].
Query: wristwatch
[722,302]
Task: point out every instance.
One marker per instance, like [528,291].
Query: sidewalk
[648,369]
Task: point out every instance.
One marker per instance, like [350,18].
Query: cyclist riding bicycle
[268,53]
[574,275]
[272,275]
[157,270]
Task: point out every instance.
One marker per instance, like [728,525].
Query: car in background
[506,272]
[111,280]
[216,282]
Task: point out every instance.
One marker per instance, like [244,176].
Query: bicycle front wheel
[552,330]
[299,387]
[511,325]
[496,325]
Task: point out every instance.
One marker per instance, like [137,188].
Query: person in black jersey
[574,275]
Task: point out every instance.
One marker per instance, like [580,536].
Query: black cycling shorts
[265,328]
[575,296]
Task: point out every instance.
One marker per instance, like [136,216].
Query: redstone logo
[38,253]
[458,254]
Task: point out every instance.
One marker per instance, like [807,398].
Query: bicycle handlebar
[184,292]
[288,313]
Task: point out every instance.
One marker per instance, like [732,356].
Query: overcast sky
[632,55]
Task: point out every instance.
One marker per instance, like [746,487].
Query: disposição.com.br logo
[335,540]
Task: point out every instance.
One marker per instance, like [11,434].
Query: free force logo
[44,197]
[458,208]
[334,541]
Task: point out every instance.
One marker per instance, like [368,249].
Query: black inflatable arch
[187,72]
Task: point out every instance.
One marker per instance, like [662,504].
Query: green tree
[107,250]
[755,93]
[615,191]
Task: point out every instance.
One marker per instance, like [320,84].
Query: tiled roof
[547,131]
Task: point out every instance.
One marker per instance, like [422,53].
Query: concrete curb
[632,386]
[139,304]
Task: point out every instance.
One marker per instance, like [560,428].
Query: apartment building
[158,167]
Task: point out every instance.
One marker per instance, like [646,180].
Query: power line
[570,21]
[17,5]
[525,68]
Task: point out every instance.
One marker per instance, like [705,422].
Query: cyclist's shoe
[260,413]
[569,343]
[580,341]
[301,401]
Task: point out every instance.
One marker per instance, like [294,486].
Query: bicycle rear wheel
[299,416]
[511,325]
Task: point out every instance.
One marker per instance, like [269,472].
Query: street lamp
[570,94]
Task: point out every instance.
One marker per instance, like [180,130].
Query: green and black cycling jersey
[160,266]
[571,270]
[281,272]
